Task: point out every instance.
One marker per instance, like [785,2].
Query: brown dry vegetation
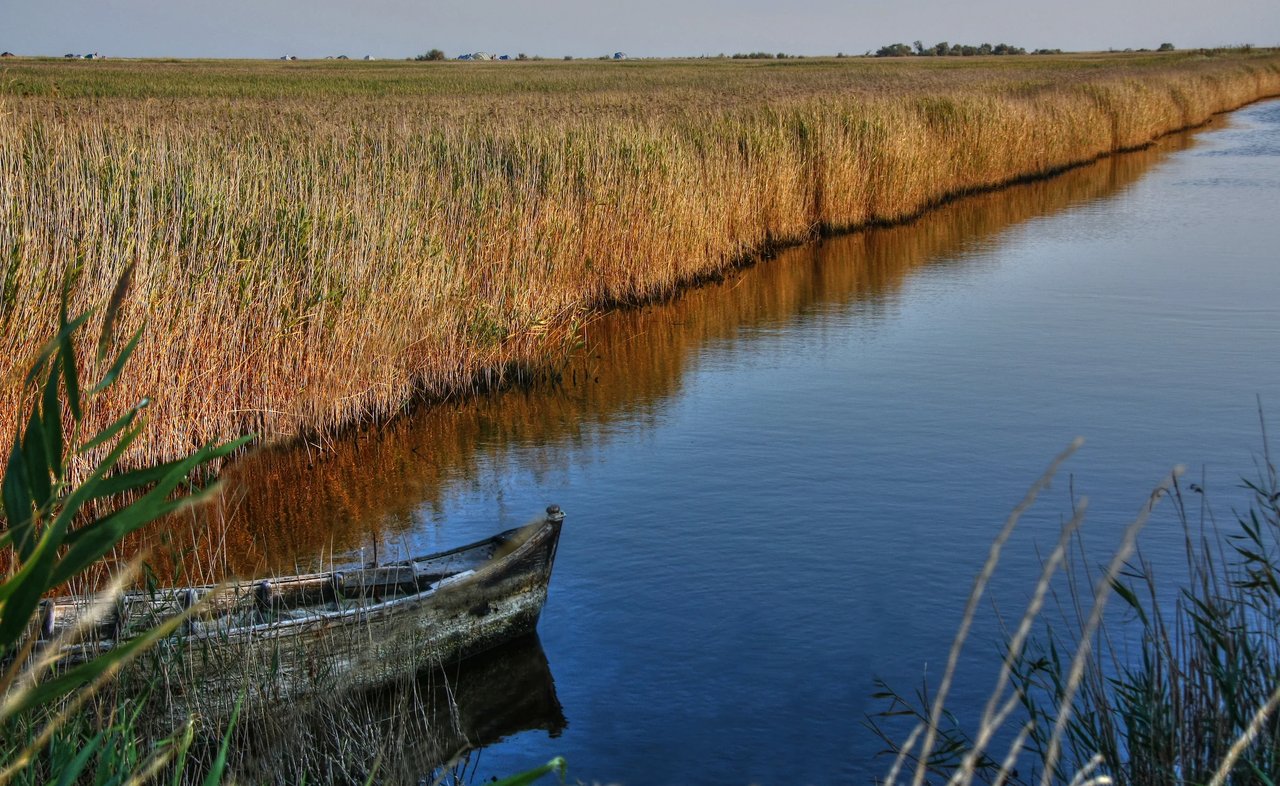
[317,244]
[291,509]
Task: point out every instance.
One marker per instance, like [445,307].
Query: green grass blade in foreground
[184,749]
[51,347]
[117,366]
[107,334]
[21,594]
[109,433]
[72,770]
[90,543]
[67,362]
[557,765]
[135,480]
[18,504]
[36,459]
[214,776]
[51,423]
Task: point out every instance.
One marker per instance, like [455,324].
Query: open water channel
[781,486]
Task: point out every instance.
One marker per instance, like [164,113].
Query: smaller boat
[355,628]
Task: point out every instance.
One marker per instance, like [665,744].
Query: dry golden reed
[317,244]
[288,510]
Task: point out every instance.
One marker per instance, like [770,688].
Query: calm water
[780,486]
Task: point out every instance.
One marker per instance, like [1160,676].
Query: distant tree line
[763,56]
[915,49]
[945,49]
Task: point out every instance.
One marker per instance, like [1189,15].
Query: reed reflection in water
[284,510]
[426,728]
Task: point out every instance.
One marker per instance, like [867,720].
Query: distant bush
[894,50]
[431,54]
[754,56]
[1165,47]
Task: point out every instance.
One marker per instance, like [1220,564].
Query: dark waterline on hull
[782,485]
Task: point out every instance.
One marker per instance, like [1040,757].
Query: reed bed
[288,510]
[315,245]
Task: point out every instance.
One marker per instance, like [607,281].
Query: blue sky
[399,28]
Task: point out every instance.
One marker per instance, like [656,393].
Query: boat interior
[237,605]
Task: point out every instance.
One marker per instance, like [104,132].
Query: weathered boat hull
[498,603]
[492,592]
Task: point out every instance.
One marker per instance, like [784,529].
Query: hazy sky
[399,28]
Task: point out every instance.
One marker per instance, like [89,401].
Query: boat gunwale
[171,593]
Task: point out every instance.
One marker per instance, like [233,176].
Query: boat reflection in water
[488,698]
[425,729]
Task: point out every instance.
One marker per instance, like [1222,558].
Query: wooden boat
[361,627]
